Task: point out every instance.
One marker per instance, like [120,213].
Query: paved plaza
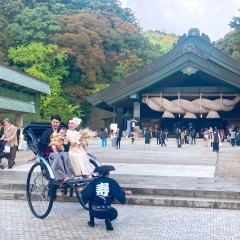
[69,221]
[190,160]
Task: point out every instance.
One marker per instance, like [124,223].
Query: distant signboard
[113,126]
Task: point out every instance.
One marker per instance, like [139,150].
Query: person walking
[222,135]
[10,137]
[232,137]
[163,138]
[205,137]
[158,136]
[103,136]
[147,137]
[118,137]
[1,128]
[132,135]
[175,134]
[185,136]
[113,138]
[215,140]
[193,135]
[237,138]
[182,137]
[210,131]
[178,137]
[18,135]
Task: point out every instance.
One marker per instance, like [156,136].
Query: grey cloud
[210,16]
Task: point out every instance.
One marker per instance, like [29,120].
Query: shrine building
[193,85]
[20,93]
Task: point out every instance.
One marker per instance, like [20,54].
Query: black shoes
[9,167]
[109,226]
[91,224]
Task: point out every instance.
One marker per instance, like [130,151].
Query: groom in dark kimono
[59,161]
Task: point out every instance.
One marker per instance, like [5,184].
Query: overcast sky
[178,16]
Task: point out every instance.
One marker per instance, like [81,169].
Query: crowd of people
[115,137]
[213,137]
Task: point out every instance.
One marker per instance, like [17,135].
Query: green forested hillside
[79,46]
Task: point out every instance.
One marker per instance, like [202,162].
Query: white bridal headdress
[77,121]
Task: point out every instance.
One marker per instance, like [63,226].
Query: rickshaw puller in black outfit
[100,193]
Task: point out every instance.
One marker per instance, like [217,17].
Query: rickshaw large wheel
[79,196]
[39,190]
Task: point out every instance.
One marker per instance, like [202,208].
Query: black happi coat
[102,191]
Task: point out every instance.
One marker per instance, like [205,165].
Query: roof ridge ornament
[194,32]
[190,47]
[189,70]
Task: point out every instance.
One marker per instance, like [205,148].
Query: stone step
[192,202]
[209,193]
[152,200]
[152,190]
[16,194]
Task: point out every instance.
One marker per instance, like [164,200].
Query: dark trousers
[111,214]
[163,142]
[61,165]
[193,140]
[12,155]
[133,140]
[179,142]
[215,146]
[118,142]
[233,141]
[158,141]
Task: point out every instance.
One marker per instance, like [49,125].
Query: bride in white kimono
[78,152]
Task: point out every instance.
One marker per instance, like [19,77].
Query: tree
[46,63]
[32,25]
[235,23]
[230,43]
[10,8]
[81,39]
[114,7]
[236,34]
[3,39]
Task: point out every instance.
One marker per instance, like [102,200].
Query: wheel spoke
[39,187]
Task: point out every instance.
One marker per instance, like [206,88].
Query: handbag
[7,149]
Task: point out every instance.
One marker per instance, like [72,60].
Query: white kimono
[78,156]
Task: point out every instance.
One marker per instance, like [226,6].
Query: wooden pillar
[19,119]
[136,116]
[119,118]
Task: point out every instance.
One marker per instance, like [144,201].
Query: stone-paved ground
[69,221]
[187,155]
[229,161]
